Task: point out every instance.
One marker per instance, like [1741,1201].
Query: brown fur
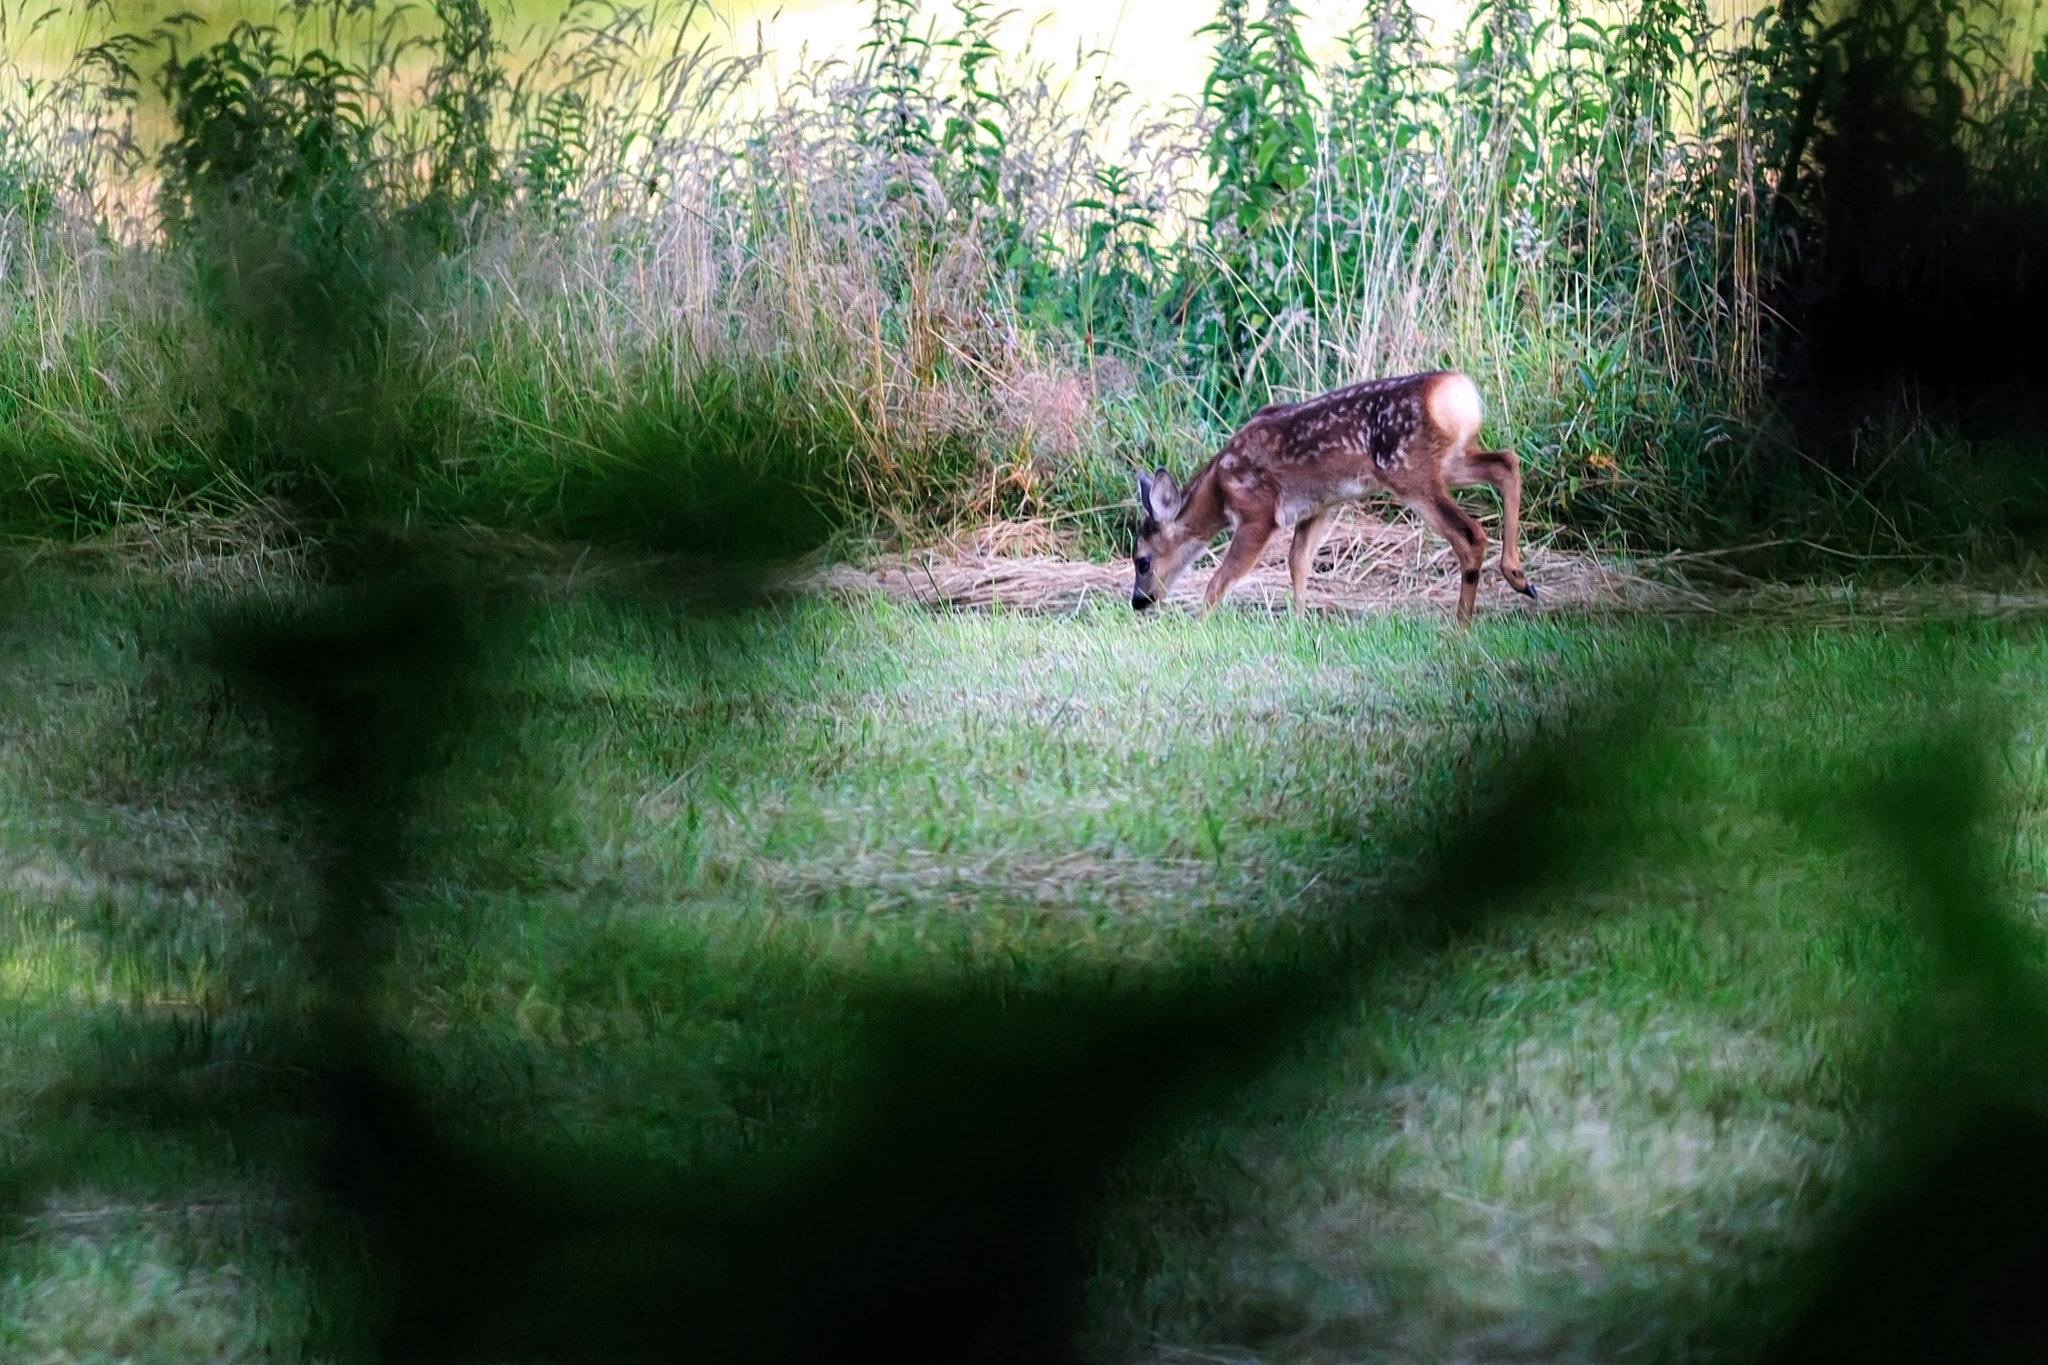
[1292,464]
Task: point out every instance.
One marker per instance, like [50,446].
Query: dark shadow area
[1950,1268]
[719,472]
[1907,231]
[946,1214]
[1915,175]
[1945,1259]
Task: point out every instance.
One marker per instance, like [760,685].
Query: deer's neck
[1203,511]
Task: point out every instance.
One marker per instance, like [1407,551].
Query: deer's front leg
[1308,538]
[1245,548]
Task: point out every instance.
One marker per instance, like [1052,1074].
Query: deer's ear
[1159,496]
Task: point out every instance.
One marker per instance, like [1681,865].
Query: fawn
[1292,464]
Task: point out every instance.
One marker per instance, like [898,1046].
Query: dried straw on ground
[1366,565]
[257,547]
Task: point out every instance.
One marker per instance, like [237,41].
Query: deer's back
[1344,444]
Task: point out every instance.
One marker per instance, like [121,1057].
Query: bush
[389,273]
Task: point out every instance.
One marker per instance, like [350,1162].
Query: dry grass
[1367,565]
[257,547]
[1373,566]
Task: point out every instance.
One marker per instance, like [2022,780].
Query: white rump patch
[1453,403]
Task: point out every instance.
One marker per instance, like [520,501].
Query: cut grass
[676,850]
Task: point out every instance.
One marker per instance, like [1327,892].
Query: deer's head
[1164,546]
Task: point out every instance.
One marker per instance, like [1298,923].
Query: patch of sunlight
[56,968]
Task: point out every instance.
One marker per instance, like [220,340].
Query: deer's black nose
[1142,600]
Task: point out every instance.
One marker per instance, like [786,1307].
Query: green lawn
[1588,1073]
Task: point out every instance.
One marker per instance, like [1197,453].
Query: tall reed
[603,288]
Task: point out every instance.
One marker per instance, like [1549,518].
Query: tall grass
[380,265]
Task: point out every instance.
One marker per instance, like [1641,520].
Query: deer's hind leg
[1308,538]
[1502,469]
[1467,538]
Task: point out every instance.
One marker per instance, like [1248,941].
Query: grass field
[1592,1074]
[549,950]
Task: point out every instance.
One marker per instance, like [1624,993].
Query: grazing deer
[1294,463]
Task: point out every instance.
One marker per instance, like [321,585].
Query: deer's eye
[1144,563]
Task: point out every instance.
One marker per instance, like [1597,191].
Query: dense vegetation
[1767,280]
